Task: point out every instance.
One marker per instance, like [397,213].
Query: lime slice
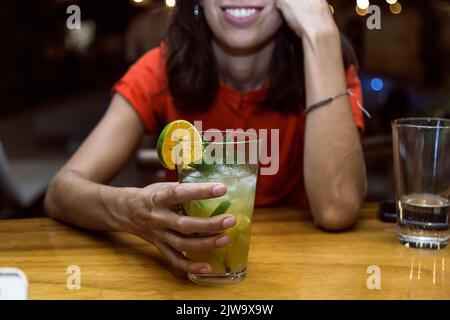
[200,208]
[221,208]
[179,143]
[199,204]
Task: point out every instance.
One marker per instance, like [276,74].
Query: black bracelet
[323,103]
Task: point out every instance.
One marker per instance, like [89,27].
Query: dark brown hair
[193,75]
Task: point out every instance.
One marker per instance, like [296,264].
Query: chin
[242,41]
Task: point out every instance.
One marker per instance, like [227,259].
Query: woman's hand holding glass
[152,214]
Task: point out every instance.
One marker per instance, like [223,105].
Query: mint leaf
[202,167]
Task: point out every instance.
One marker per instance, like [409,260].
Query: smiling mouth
[241,16]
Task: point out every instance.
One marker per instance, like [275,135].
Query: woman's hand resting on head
[308,18]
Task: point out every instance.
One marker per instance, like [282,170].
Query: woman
[232,64]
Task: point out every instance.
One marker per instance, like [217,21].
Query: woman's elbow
[341,209]
[339,213]
[337,217]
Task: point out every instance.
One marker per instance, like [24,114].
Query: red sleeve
[356,100]
[140,84]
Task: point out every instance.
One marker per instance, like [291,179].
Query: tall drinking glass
[422,175]
[230,158]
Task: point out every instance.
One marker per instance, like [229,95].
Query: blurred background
[55,82]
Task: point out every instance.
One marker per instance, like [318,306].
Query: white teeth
[241,13]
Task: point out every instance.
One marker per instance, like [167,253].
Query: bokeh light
[362,4]
[396,8]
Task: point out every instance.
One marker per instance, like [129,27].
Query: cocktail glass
[230,158]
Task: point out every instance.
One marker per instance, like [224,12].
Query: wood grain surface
[289,259]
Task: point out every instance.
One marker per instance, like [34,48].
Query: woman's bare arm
[77,194]
[335,174]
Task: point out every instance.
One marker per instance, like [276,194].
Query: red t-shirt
[144,86]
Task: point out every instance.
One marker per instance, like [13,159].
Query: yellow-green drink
[229,263]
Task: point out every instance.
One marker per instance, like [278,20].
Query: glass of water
[422,176]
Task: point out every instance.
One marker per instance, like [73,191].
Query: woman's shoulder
[152,64]
[144,81]
[154,57]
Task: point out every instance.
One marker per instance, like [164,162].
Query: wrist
[324,66]
[117,203]
[326,39]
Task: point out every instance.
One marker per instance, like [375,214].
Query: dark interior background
[54,82]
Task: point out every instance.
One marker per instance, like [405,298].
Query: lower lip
[241,21]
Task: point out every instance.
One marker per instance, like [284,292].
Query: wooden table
[289,259]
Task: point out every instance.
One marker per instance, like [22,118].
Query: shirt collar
[238,100]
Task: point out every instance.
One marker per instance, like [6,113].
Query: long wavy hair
[193,75]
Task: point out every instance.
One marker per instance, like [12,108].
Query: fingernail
[228,222]
[205,270]
[222,241]
[219,190]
